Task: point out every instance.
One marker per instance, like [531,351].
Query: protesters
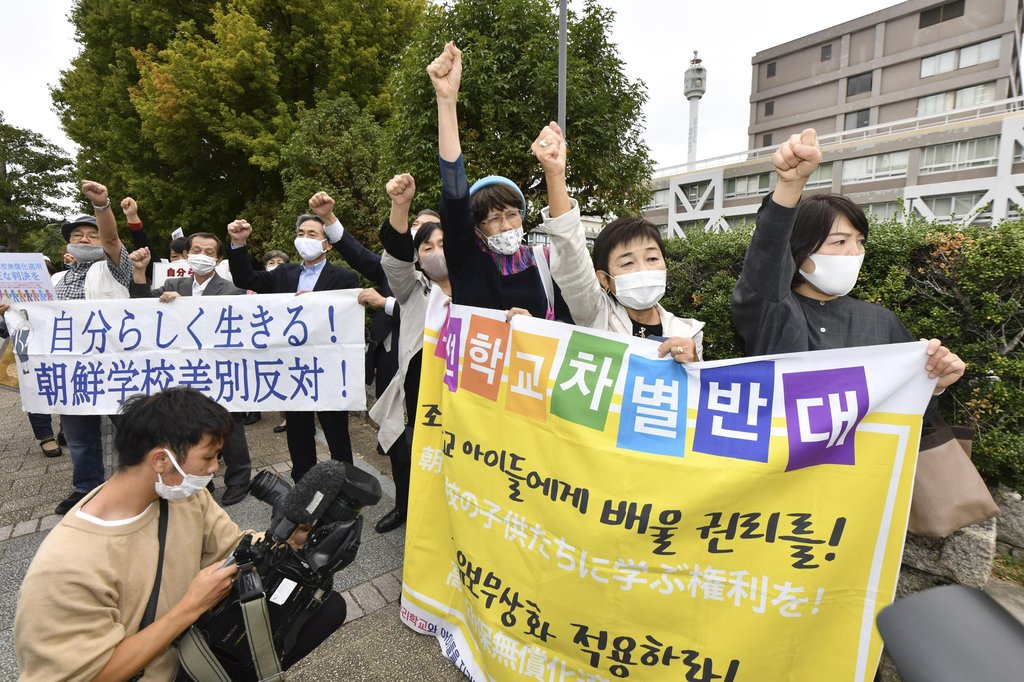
[487,262]
[414,266]
[81,607]
[801,264]
[620,290]
[204,253]
[382,346]
[315,274]
[137,230]
[100,270]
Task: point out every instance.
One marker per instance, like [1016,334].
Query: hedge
[962,285]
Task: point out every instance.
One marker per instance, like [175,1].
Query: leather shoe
[252,417]
[233,494]
[281,428]
[390,521]
[70,501]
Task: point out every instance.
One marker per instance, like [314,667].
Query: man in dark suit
[314,274]
[204,252]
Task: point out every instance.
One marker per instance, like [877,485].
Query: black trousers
[235,451]
[302,443]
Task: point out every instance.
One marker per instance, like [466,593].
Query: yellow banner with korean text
[582,510]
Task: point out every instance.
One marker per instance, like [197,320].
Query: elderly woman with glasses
[488,264]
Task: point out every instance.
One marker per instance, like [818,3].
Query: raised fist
[401,189]
[446,72]
[322,205]
[549,148]
[239,231]
[95,192]
[130,208]
[140,258]
[797,157]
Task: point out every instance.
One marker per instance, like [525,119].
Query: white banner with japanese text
[266,352]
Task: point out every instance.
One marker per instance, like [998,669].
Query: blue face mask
[190,483]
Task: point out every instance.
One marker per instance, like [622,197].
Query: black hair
[814,218]
[491,197]
[623,231]
[178,245]
[423,234]
[177,418]
[204,235]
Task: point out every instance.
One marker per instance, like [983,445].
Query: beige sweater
[88,586]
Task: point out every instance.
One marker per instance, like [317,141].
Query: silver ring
[676,350]
[543,143]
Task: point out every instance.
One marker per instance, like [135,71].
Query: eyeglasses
[79,237]
[510,216]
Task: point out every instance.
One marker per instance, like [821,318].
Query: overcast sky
[656,39]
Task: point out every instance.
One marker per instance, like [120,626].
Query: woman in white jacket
[413,266]
[619,290]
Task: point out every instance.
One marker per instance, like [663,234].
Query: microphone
[314,493]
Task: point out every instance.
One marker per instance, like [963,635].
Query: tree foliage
[187,105]
[34,182]
[509,91]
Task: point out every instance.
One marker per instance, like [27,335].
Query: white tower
[693,87]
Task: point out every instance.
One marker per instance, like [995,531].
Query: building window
[878,167]
[857,119]
[747,185]
[886,210]
[821,177]
[946,208]
[695,191]
[771,69]
[962,58]
[960,155]
[856,85]
[659,198]
[766,140]
[941,13]
[972,96]
[826,52]
[769,108]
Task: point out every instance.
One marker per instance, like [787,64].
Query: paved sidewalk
[372,645]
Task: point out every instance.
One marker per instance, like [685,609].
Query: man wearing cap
[314,274]
[100,270]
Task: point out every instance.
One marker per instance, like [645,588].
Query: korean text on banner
[581,509]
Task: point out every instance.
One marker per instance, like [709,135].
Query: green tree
[509,91]
[187,105]
[336,149]
[34,186]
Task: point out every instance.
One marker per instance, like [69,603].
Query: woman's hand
[943,364]
[549,148]
[446,73]
[680,348]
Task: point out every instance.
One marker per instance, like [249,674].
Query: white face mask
[190,483]
[309,248]
[834,275]
[200,264]
[86,253]
[506,243]
[434,265]
[272,266]
[640,290]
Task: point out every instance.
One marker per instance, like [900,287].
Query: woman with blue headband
[488,264]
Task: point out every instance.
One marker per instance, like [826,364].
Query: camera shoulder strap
[154,597]
[261,640]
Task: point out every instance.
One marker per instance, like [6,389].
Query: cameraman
[85,593]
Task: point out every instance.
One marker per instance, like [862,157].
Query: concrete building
[917,105]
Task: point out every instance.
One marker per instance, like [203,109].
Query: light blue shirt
[309,275]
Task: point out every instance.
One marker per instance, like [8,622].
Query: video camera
[291,583]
